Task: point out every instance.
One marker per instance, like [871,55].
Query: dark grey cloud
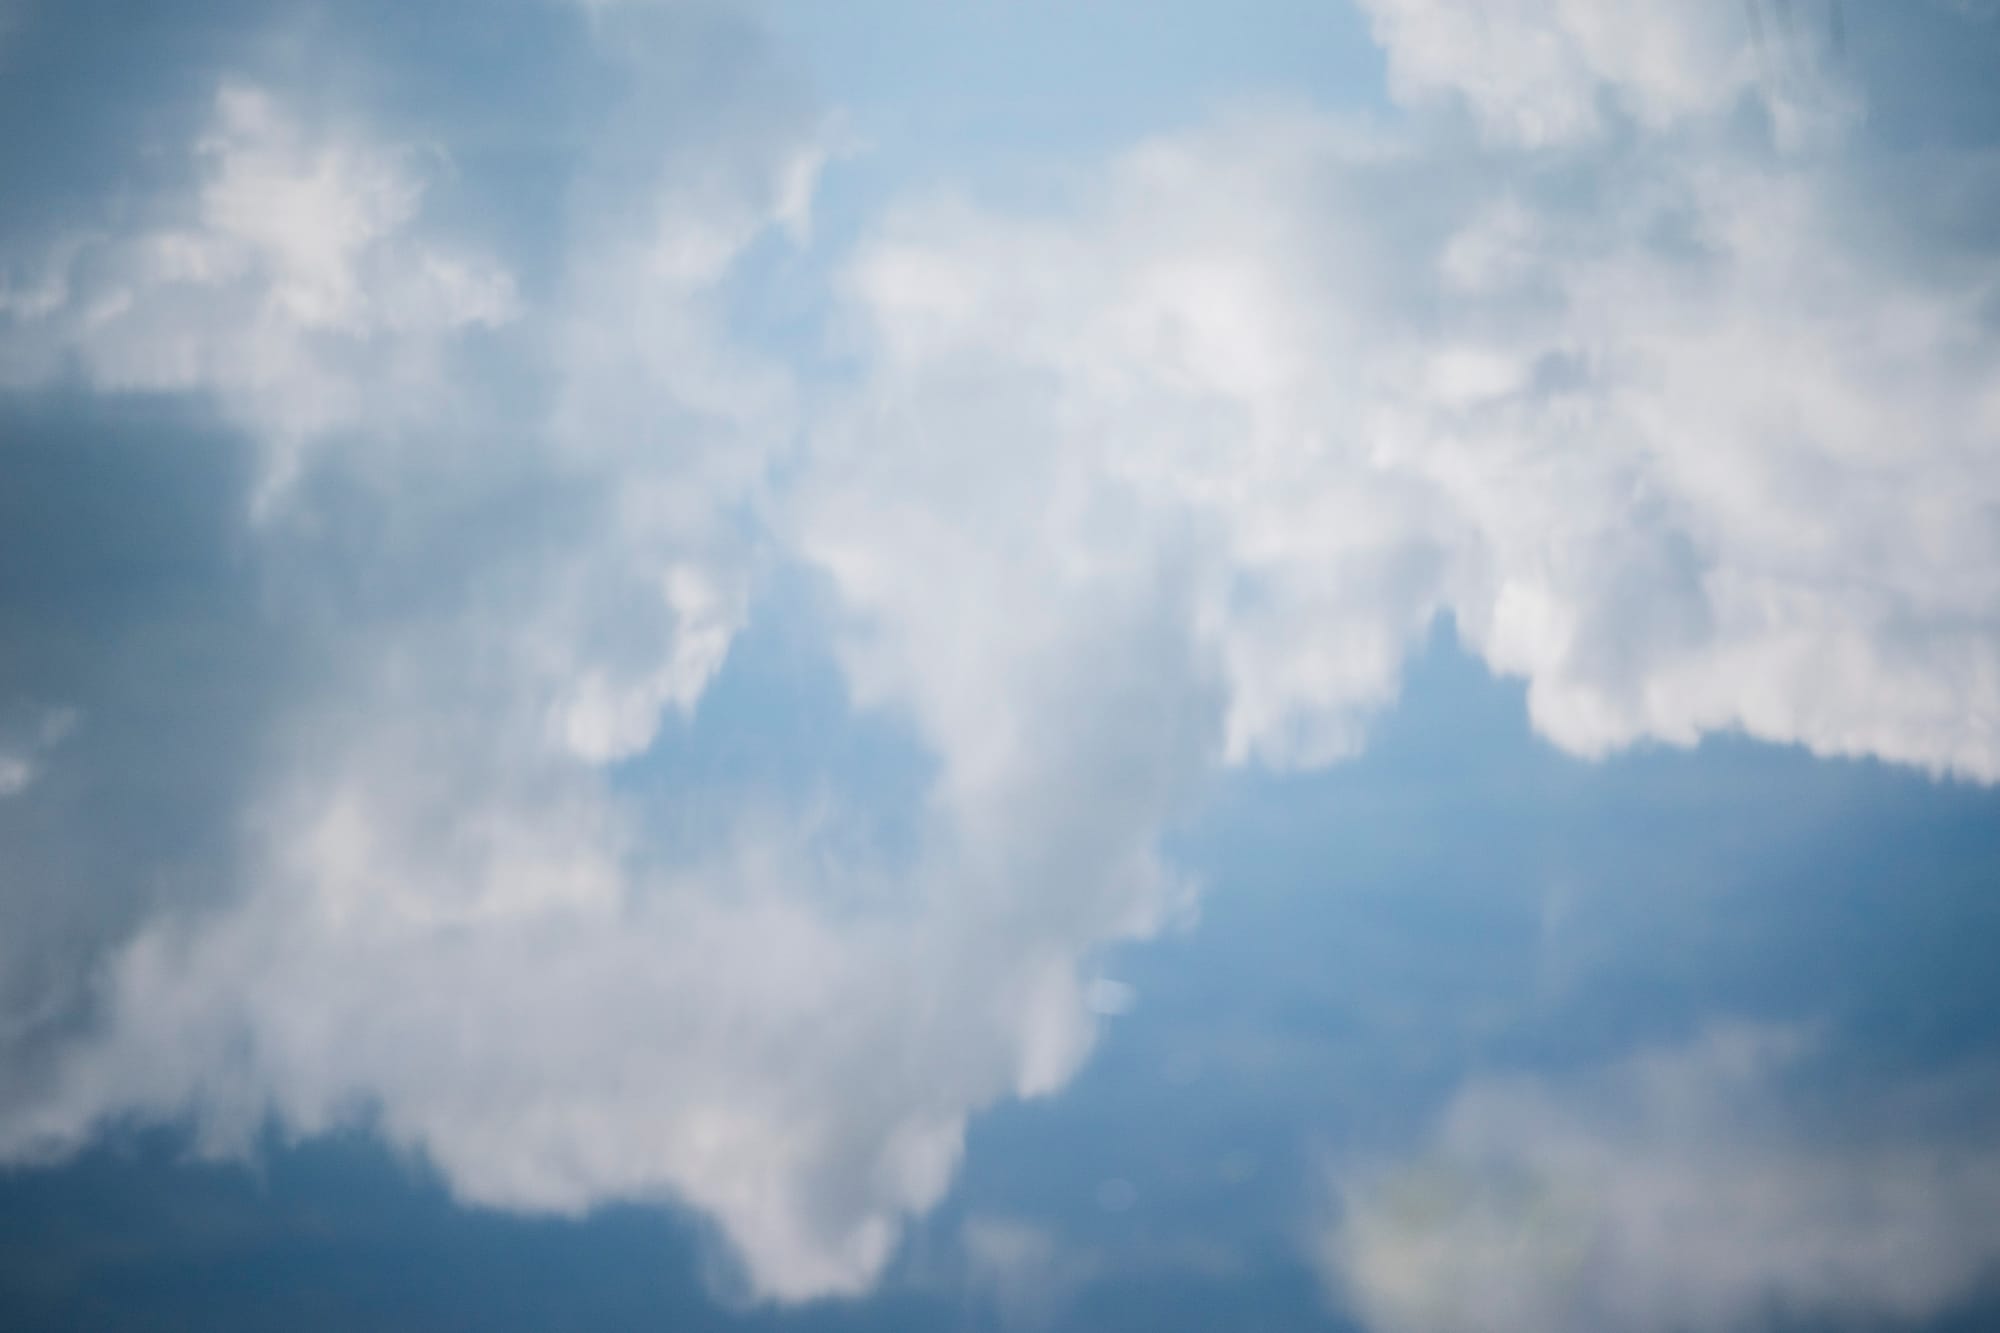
[133,610]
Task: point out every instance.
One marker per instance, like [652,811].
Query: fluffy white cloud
[488,977]
[1693,437]
[1685,1189]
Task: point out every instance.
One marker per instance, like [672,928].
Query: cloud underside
[1635,371]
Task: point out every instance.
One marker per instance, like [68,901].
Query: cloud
[1028,1274]
[1654,423]
[27,740]
[126,611]
[1690,430]
[444,915]
[289,281]
[1696,1188]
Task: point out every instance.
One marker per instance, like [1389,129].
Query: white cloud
[483,953]
[1692,438]
[555,1032]
[1685,1189]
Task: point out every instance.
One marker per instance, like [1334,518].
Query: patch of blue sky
[776,733]
[940,92]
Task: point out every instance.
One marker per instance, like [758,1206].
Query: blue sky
[997,666]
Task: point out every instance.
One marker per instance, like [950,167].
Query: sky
[699,664]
